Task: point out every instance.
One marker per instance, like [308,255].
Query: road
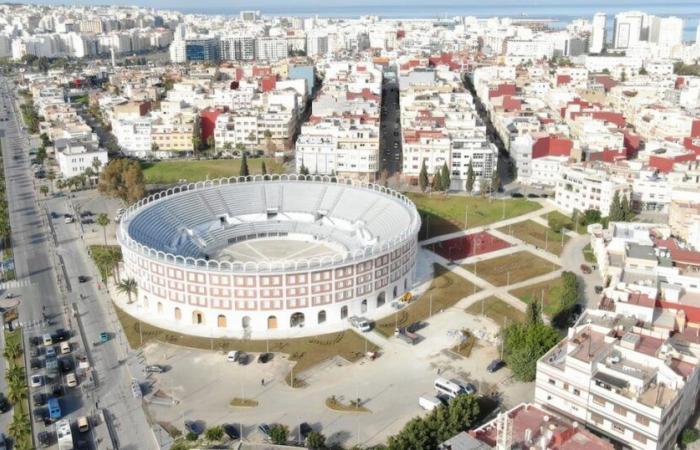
[47,286]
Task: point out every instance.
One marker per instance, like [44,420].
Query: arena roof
[204,223]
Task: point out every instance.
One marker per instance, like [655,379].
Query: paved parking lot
[203,383]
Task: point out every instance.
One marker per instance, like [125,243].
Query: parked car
[44,438]
[61,335]
[304,430]
[39,399]
[3,442]
[231,431]
[193,427]
[599,289]
[35,363]
[585,269]
[264,357]
[50,352]
[264,429]
[136,389]
[232,356]
[4,404]
[71,379]
[36,381]
[154,368]
[495,365]
[243,358]
[82,279]
[517,195]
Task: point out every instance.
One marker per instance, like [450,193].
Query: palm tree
[44,189]
[103,220]
[20,426]
[15,374]
[50,177]
[128,286]
[16,392]
[13,350]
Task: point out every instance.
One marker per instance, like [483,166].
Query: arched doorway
[343,312]
[296,320]
[271,322]
[221,321]
[396,291]
[178,314]
[159,308]
[197,318]
[363,306]
[381,299]
[245,322]
[322,316]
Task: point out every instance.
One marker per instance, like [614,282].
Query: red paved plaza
[469,245]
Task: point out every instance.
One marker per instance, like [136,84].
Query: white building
[73,160]
[666,31]
[133,135]
[628,29]
[582,187]
[636,384]
[598,33]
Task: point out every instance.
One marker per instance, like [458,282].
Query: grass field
[552,290]
[167,172]
[446,290]
[446,214]
[497,310]
[307,351]
[520,265]
[537,235]
[565,219]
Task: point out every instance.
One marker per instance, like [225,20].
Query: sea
[560,12]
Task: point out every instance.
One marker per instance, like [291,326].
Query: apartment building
[633,381]
[583,186]
[74,159]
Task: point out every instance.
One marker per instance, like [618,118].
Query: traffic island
[243,402]
[337,404]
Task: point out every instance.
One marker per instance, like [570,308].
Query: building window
[598,400]
[640,438]
[597,418]
[642,420]
[552,382]
[577,392]
[620,410]
[619,428]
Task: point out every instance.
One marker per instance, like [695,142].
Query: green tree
[303,170]
[214,433]
[471,178]
[445,178]
[16,391]
[263,168]
[128,286]
[625,210]
[436,183]
[616,214]
[279,434]
[689,435]
[19,427]
[15,374]
[524,344]
[191,436]
[210,142]
[244,166]
[423,177]
[533,313]
[103,220]
[316,441]
[484,187]
[495,181]
[44,189]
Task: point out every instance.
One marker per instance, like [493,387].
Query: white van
[71,380]
[65,348]
[83,424]
[447,387]
[428,403]
[48,340]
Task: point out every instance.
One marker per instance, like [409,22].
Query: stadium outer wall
[212,302]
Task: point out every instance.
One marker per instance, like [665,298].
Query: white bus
[447,387]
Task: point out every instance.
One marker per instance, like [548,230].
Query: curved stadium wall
[182,247]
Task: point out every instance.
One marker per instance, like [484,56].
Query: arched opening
[221,321]
[245,322]
[296,320]
[322,316]
[271,322]
[343,312]
[197,318]
[159,307]
[363,306]
[396,291]
[381,299]
[405,284]
[178,314]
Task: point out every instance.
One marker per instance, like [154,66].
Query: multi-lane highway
[49,256]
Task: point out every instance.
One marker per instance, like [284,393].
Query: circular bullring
[267,256]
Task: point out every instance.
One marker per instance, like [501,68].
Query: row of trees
[620,210]
[525,343]
[31,117]
[441,180]
[122,178]
[4,222]
[568,297]
[17,391]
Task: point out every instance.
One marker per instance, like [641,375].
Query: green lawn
[537,235]
[521,266]
[196,170]
[497,310]
[446,289]
[566,219]
[552,291]
[446,214]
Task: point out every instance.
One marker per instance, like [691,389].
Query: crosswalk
[15,284]
[34,324]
